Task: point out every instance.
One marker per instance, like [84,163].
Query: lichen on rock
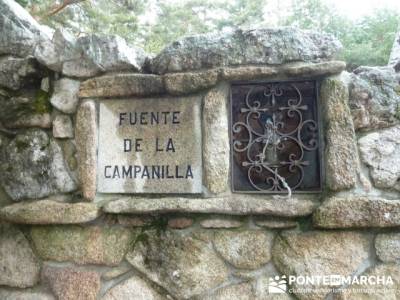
[28,108]
[380,151]
[246,47]
[102,245]
[319,253]
[184,264]
[340,148]
[32,166]
[19,265]
[374,97]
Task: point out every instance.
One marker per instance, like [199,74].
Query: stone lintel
[286,71]
[121,85]
[183,83]
[233,205]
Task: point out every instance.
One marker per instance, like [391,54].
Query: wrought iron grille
[275,140]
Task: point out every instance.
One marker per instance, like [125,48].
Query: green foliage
[23,3]
[305,224]
[242,13]
[113,17]
[155,23]
[367,41]
[177,20]
[370,40]
[311,14]
[21,146]
[92,16]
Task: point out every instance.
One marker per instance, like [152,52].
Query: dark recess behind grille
[302,174]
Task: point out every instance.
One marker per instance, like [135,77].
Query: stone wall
[60,238]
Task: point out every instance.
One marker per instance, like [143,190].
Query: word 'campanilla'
[148,172]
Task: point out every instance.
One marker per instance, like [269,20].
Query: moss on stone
[397,90]
[157,225]
[397,114]
[23,105]
[21,145]
[305,223]
[83,245]
[41,104]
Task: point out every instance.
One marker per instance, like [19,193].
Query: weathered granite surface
[63,127]
[25,294]
[123,268]
[107,53]
[122,85]
[387,246]
[248,249]
[319,253]
[88,55]
[190,82]
[86,137]
[184,264]
[32,166]
[134,220]
[71,283]
[221,222]
[357,212]
[19,265]
[380,151]
[49,212]
[374,97]
[53,53]
[378,291]
[216,154]
[184,83]
[65,95]
[29,108]
[275,223]
[286,71]
[20,32]
[133,288]
[341,159]
[243,291]
[247,290]
[259,46]
[234,205]
[101,245]
[180,223]
[23,71]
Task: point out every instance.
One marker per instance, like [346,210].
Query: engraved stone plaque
[150,145]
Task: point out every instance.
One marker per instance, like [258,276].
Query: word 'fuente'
[149,118]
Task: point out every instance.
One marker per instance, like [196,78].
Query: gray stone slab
[301,205]
[341,159]
[86,138]
[150,146]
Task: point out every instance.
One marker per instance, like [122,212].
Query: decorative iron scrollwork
[275,139]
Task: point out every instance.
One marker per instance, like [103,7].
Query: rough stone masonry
[73,123]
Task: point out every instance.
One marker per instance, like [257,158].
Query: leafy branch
[61,6]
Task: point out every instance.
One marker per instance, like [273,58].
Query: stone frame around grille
[275,137]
